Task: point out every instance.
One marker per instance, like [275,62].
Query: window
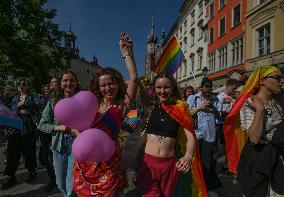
[200,59]
[211,35]
[211,10]
[185,67]
[222,27]
[237,15]
[192,17]
[222,4]
[185,44]
[200,30]
[200,8]
[212,61]
[180,30]
[185,26]
[192,63]
[223,57]
[192,37]
[263,40]
[180,72]
[237,52]
[181,45]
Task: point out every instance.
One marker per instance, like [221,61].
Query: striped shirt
[271,119]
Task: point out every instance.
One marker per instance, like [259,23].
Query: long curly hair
[58,93]
[175,95]
[117,79]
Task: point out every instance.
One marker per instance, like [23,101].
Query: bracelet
[124,57]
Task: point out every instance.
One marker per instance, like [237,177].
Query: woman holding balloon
[106,178]
[62,136]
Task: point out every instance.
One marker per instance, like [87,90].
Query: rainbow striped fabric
[132,118]
[227,100]
[235,137]
[189,184]
[112,120]
[171,58]
[8,118]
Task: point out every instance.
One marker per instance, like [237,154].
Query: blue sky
[98,23]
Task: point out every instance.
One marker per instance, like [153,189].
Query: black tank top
[160,123]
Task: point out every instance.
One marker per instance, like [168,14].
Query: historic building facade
[83,69]
[190,29]
[226,39]
[264,33]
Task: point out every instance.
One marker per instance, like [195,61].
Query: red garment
[103,179]
[161,176]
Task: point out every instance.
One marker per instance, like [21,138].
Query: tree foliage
[26,31]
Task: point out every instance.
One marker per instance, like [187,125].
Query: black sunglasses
[277,77]
[23,83]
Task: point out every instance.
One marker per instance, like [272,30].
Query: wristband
[124,57]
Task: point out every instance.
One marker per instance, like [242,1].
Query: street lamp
[205,72]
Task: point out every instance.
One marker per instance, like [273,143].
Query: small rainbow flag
[132,118]
[227,100]
[171,58]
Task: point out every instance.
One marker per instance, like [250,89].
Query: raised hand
[126,45]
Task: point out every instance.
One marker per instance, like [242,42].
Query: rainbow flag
[234,136]
[192,183]
[171,58]
[227,100]
[132,118]
[8,118]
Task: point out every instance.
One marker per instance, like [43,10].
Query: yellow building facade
[264,33]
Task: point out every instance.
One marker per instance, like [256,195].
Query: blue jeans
[63,167]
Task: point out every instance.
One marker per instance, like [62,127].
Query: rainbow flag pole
[171,58]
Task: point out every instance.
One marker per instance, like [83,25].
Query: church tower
[151,51]
[70,50]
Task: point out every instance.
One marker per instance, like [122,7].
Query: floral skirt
[102,179]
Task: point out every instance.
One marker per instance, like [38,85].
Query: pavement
[230,187]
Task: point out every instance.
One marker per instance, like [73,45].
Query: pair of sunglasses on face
[277,77]
[22,83]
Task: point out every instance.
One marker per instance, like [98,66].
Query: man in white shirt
[224,104]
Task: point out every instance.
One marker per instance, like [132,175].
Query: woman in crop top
[159,166]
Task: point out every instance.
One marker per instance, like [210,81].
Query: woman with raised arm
[108,178]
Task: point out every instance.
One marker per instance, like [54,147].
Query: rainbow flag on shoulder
[171,58]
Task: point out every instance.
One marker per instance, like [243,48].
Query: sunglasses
[23,84]
[277,77]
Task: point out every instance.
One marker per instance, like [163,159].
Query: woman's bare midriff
[164,148]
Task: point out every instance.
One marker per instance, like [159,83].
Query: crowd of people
[175,144]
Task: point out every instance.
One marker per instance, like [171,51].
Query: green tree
[29,40]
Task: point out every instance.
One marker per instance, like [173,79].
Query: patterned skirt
[102,179]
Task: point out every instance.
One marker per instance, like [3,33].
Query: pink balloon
[93,145]
[77,112]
